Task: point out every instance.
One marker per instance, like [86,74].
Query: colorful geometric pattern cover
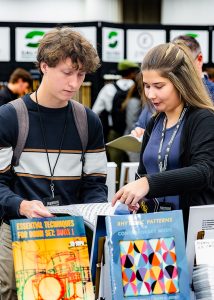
[149,267]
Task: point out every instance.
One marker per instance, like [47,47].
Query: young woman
[177,156]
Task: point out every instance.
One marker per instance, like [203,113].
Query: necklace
[45,143]
[162,163]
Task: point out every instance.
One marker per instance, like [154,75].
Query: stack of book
[203,283]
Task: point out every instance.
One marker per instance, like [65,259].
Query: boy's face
[64,80]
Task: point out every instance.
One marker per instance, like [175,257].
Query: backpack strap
[81,122]
[117,87]
[23,128]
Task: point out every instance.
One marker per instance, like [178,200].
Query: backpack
[119,116]
[80,119]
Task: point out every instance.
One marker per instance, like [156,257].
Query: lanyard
[45,143]
[162,163]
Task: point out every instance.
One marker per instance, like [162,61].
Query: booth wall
[187,12]
[60,10]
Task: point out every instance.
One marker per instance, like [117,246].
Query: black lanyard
[45,142]
[162,163]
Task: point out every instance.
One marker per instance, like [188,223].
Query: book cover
[147,256]
[127,143]
[51,259]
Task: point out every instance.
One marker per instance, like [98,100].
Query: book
[90,211]
[99,232]
[147,256]
[51,259]
[201,220]
[99,265]
[127,143]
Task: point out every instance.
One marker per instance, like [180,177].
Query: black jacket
[194,181]
[6,95]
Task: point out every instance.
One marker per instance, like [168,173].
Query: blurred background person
[116,93]
[103,103]
[132,106]
[20,82]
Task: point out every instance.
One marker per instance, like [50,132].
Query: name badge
[165,206]
[50,201]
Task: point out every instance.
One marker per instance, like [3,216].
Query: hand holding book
[133,192]
[90,211]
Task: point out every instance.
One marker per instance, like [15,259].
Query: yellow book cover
[51,259]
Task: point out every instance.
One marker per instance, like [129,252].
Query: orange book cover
[51,259]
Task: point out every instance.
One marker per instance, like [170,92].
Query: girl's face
[160,91]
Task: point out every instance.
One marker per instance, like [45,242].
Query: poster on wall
[89,32]
[139,41]
[27,41]
[112,44]
[5,44]
[201,35]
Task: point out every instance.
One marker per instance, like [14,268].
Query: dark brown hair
[20,73]
[61,43]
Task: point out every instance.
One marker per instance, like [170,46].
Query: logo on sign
[145,40]
[113,37]
[35,37]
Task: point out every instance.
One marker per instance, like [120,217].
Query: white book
[90,211]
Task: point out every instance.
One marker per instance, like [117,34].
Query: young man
[19,84]
[50,169]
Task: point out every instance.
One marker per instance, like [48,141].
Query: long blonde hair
[175,62]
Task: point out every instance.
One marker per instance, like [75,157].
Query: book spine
[13,229]
[110,245]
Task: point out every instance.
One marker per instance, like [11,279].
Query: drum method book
[147,256]
[51,259]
